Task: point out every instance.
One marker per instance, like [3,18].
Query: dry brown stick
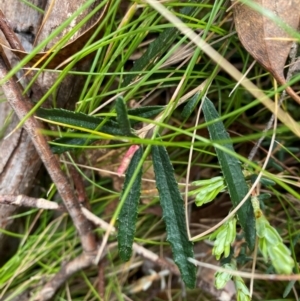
[9,33]
[39,203]
[23,200]
[79,186]
[21,106]
[72,267]
[79,263]
[101,278]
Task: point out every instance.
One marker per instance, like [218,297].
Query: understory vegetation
[167,143]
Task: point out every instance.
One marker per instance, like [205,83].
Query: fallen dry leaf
[65,52]
[266,41]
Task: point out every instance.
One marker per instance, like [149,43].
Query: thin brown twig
[40,203]
[79,186]
[22,106]
[23,200]
[101,278]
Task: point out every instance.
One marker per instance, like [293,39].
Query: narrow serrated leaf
[122,117]
[173,214]
[232,171]
[190,106]
[70,118]
[128,214]
[80,120]
[145,112]
[66,144]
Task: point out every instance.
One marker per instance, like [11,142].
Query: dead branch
[23,200]
[21,106]
[84,260]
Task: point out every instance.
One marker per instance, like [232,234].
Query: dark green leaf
[264,181]
[70,118]
[288,288]
[296,240]
[232,171]
[122,117]
[190,106]
[264,197]
[68,144]
[274,164]
[128,215]
[107,126]
[173,214]
[145,112]
[157,48]
[80,120]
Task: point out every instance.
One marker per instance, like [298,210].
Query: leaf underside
[232,171]
[173,214]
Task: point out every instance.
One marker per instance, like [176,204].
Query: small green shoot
[221,279]
[225,236]
[270,243]
[208,191]
[242,292]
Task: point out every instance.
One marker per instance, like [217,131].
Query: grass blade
[173,214]
[232,171]
[157,48]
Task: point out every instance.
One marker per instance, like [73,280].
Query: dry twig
[23,200]
[82,261]
[21,106]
